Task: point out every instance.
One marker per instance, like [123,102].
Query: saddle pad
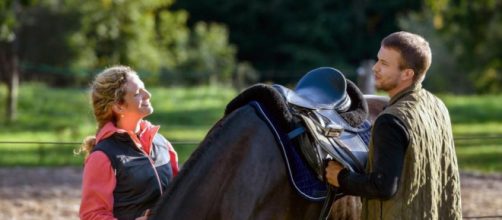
[301,176]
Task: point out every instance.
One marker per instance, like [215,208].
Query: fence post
[365,78]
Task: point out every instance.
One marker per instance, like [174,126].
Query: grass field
[477,127]
[186,114]
[64,115]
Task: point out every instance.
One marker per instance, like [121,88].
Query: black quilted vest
[138,187]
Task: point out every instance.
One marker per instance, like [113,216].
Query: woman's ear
[117,108]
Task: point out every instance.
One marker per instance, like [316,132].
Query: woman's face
[136,103]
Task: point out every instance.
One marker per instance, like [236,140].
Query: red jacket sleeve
[173,156]
[98,183]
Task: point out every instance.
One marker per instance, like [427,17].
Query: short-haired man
[412,170]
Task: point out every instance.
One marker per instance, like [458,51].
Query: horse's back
[376,104]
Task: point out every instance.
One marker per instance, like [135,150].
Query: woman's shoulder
[113,144]
[97,157]
[161,140]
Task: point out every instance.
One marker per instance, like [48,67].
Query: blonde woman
[128,163]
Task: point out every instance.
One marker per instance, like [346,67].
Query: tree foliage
[190,41]
[472,31]
[285,38]
[68,41]
[9,69]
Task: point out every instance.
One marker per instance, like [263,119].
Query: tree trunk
[9,68]
[10,76]
[12,86]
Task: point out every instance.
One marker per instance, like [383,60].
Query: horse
[238,172]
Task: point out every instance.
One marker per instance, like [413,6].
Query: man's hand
[332,171]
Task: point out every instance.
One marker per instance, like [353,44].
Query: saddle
[326,115]
[331,121]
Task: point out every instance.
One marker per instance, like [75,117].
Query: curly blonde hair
[107,89]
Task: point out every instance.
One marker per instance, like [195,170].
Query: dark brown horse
[238,172]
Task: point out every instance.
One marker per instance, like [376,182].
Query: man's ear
[408,74]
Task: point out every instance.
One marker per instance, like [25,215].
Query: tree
[471,30]
[9,69]
[444,66]
[152,38]
[286,38]
[64,42]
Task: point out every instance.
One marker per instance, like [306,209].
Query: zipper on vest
[154,170]
[138,145]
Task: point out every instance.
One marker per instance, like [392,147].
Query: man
[412,170]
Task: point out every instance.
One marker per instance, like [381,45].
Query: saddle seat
[321,88]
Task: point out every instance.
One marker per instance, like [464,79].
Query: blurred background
[195,56]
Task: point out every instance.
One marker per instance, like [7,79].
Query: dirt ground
[54,193]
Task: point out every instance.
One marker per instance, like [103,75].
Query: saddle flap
[347,148]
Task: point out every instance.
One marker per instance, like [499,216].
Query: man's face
[386,70]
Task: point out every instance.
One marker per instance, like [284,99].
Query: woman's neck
[129,125]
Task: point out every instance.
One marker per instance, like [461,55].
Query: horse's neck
[236,173]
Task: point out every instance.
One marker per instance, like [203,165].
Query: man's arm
[390,140]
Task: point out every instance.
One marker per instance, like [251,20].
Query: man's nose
[374,68]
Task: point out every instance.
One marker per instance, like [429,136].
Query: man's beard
[387,86]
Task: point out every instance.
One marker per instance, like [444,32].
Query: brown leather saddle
[319,100]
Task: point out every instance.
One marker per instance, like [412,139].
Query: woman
[128,163]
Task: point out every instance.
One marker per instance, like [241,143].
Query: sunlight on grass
[484,129]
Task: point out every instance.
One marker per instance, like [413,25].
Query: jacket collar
[142,140]
[413,88]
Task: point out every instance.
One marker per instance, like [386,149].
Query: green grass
[186,114]
[477,126]
[64,115]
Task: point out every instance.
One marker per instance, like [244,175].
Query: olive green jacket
[429,186]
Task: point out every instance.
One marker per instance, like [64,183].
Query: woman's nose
[147,94]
